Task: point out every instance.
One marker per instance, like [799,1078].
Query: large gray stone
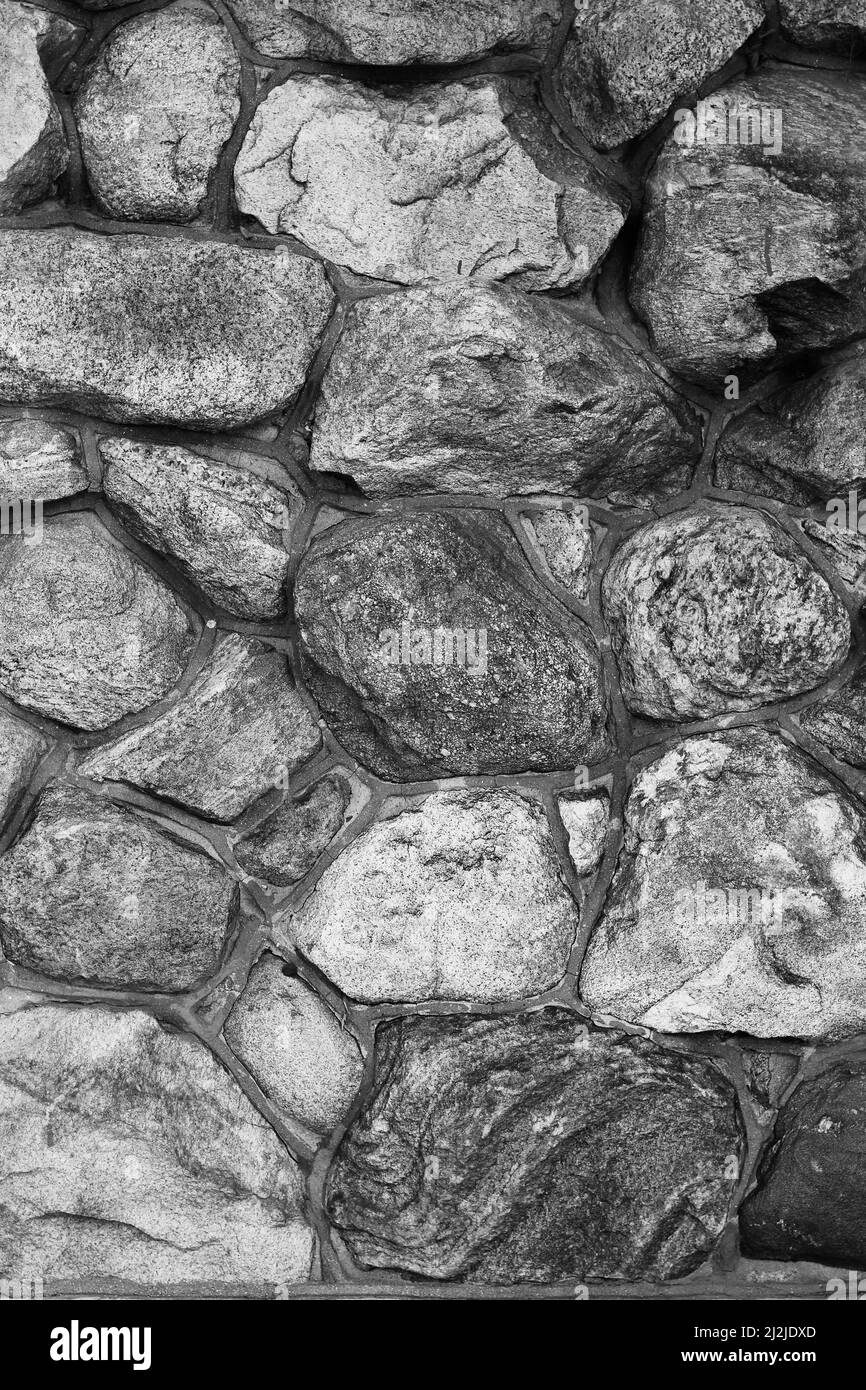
[468,388]
[33,151]
[739,901]
[303,1059]
[87,633]
[716,609]
[838,25]
[430,182]
[21,748]
[119,901]
[38,460]
[154,110]
[431,656]
[750,252]
[525,1149]
[403,31]
[286,845]
[626,62]
[240,728]
[130,1154]
[222,525]
[159,329]
[459,896]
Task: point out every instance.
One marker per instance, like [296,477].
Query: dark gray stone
[837,25]
[289,841]
[839,721]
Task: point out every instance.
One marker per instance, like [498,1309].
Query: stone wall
[432,839]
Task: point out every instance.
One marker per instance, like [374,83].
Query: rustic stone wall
[432,838]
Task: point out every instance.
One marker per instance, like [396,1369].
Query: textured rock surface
[715,609]
[119,902]
[564,544]
[458,897]
[838,25]
[33,151]
[468,388]
[590,1157]
[404,31]
[844,549]
[441,181]
[304,1061]
[810,1204]
[130,1154]
[221,524]
[747,253]
[238,729]
[154,111]
[289,841]
[39,460]
[627,61]
[156,328]
[739,901]
[585,817]
[839,722]
[87,634]
[528,692]
[21,747]
[803,443]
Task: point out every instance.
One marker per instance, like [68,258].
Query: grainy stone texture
[563,542]
[159,329]
[129,1154]
[715,609]
[87,633]
[739,901]
[289,841]
[240,727]
[843,548]
[120,902]
[225,528]
[437,181]
[469,388]
[839,722]
[33,150]
[585,817]
[836,25]
[403,31]
[459,896]
[518,1149]
[627,61]
[38,460]
[21,748]
[304,1061]
[746,254]
[802,444]
[527,693]
[155,109]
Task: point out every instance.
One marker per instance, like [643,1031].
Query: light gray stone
[459,896]
[154,111]
[87,633]
[239,729]
[431,182]
[563,541]
[303,1059]
[130,1154]
[469,388]
[585,816]
[21,748]
[33,150]
[158,329]
[39,460]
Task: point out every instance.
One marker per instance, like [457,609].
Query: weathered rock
[404,31]
[809,1201]
[626,62]
[803,443]
[21,748]
[469,388]
[845,549]
[839,25]
[38,460]
[839,722]
[715,609]
[87,633]
[240,727]
[750,252]
[155,108]
[585,817]
[438,181]
[33,150]
[130,1154]
[739,901]
[120,902]
[289,841]
[304,1061]
[524,1148]
[431,656]
[160,329]
[563,541]
[221,524]
[459,896]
